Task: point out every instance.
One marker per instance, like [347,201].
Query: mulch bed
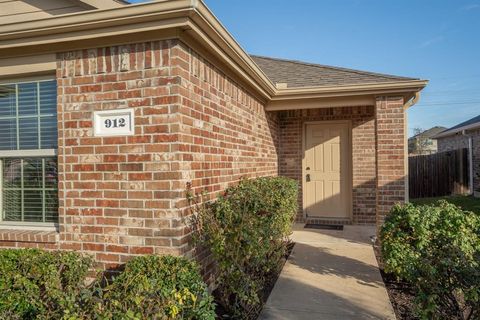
[401,294]
[271,280]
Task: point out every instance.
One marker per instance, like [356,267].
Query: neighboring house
[422,143]
[464,135]
[106,114]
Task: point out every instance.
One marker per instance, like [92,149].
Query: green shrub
[156,287]
[36,284]
[436,248]
[247,232]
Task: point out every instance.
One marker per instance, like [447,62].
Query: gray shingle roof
[299,74]
[430,132]
[473,121]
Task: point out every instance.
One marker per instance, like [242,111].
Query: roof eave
[452,132]
[102,4]
[216,32]
[182,15]
[190,18]
[393,87]
[86,20]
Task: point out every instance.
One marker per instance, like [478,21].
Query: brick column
[391,168]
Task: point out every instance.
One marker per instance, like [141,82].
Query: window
[28,143]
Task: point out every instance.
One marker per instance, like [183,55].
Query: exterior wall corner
[390,154]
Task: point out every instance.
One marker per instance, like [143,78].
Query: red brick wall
[391,173]
[116,192]
[28,239]
[123,196]
[363,153]
[225,133]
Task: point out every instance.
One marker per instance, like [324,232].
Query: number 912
[115,123]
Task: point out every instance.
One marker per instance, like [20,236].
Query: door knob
[308,177]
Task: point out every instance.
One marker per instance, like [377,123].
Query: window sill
[32,234]
[28,226]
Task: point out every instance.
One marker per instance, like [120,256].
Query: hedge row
[436,248]
[247,231]
[36,284]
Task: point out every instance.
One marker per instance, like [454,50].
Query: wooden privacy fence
[439,174]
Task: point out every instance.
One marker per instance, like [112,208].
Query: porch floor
[330,275]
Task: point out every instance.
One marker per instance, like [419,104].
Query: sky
[436,40]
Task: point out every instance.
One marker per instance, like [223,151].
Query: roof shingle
[297,74]
[474,122]
[429,133]
[466,123]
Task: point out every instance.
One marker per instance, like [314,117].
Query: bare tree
[419,143]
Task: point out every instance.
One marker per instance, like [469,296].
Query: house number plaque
[114,123]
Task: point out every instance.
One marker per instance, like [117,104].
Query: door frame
[349,165]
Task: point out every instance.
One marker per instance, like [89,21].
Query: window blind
[28,118]
[28,121]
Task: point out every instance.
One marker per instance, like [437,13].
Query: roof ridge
[387,76]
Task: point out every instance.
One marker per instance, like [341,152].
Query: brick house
[465,135]
[422,143]
[108,110]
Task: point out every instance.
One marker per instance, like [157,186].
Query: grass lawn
[465,202]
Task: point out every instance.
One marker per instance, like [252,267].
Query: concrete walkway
[330,275]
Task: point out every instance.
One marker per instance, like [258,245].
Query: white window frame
[34,153]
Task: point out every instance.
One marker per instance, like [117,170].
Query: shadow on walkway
[331,264]
[315,304]
[330,275]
